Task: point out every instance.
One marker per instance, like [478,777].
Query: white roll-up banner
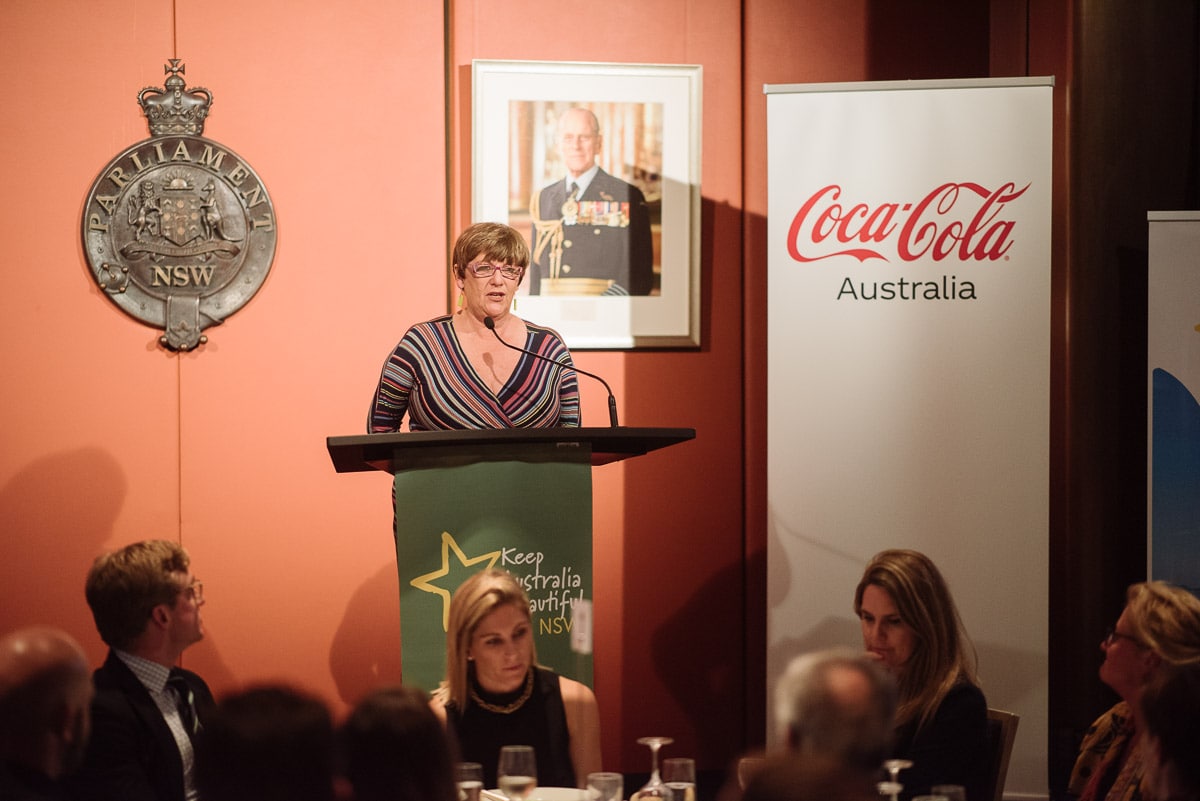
[909,367]
[1173,427]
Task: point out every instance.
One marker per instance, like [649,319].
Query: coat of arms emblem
[178,229]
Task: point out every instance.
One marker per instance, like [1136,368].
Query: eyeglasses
[482,269]
[195,591]
[1113,635]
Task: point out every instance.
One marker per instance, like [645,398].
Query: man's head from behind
[125,588]
[267,743]
[837,704]
[45,698]
[815,778]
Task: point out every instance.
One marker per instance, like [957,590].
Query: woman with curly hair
[1159,626]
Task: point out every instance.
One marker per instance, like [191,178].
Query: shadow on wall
[693,660]
[1010,678]
[55,517]
[365,652]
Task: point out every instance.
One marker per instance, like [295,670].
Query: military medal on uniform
[570,208]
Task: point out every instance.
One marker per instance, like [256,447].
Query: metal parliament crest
[178,229]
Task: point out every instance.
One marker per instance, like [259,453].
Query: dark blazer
[598,250]
[132,755]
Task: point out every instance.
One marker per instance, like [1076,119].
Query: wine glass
[893,786]
[516,772]
[655,788]
[746,768]
[469,777]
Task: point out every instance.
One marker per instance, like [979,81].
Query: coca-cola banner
[909,366]
[1173,359]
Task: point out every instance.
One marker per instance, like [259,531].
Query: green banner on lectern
[533,519]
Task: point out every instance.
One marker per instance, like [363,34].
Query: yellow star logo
[425,582]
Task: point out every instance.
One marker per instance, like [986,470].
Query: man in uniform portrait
[591,230]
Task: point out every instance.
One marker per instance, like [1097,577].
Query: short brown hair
[490,240]
[395,748]
[271,742]
[124,586]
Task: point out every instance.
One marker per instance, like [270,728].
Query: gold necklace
[510,708]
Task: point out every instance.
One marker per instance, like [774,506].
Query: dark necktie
[574,193]
[185,701]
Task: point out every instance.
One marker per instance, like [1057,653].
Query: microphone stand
[612,401]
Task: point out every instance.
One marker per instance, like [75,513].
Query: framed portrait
[599,166]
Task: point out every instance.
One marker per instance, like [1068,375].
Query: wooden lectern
[515,498]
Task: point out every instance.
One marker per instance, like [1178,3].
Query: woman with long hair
[496,694]
[911,625]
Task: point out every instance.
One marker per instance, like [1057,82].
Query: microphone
[612,401]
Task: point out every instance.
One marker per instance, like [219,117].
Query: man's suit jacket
[132,755]
[624,254]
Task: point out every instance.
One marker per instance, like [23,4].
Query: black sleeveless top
[541,722]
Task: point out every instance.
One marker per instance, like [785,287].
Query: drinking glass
[655,788]
[516,772]
[469,777]
[679,773]
[893,786]
[747,767]
[604,786]
[952,792]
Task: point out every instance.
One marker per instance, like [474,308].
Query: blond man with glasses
[146,604]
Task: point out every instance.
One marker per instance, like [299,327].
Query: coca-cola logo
[964,221]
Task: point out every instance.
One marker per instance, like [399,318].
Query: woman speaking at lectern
[465,370]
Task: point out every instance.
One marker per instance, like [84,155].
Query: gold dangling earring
[514,303]
[460,301]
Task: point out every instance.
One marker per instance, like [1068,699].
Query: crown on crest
[173,108]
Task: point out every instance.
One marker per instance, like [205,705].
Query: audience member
[911,626]
[496,694]
[45,693]
[1159,626]
[1170,707]
[837,704]
[268,743]
[813,778]
[146,605]
[395,749]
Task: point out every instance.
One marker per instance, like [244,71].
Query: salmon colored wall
[340,108]
[108,439]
